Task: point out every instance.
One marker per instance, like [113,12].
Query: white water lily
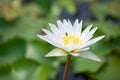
[70,39]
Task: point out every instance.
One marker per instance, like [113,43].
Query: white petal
[76,23]
[89,55]
[70,27]
[49,40]
[61,27]
[56,52]
[90,34]
[47,31]
[67,23]
[75,54]
[56,32]
[83,49]
[67,27]
[86,31]
[53,28]
[92,41]
[68,47]
[78,27]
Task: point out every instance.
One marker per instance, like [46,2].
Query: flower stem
[67,67]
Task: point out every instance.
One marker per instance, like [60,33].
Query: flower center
[73,39]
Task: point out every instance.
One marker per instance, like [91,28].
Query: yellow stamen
[71,38]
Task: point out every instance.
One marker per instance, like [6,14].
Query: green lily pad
[23,69]
[112,69]
[110,30]
[38,49]
[5,72]
[12,50]
[40,73]
[81,65]
[44,73]
[99,10]
[26,26]
[109,8]
[101,48]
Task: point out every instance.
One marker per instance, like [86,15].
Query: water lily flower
[70,39]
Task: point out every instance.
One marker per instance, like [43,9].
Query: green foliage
[22,53]
[12,50]
[112,69]
[5,72]
[81,65]
[23,69]
[37,50]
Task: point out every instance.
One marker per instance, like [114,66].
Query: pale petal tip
[77,19]
[38,35]
[102,36]
[49,23]
[75,54]
[58,21]
[47,55]
[43,29]
[90,55]
[64,20]
[90,26]
[96,28]
[98,59]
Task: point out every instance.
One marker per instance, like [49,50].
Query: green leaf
[12,50]
[5,72]
[112,9]
[23,69]
[45,5]
[99,10]
[85,65]
[101,48]
[26,26]
[112,69]
[110,30]
[44,73]
[117,42]
[40,73]
[68,5]
[38,49]
[30,22]
[116,45]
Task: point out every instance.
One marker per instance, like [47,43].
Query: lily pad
[5,72]
[112,69]
[81,65]
[23,69]
[12,50]
[38,49]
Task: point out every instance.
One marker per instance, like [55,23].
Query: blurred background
[22,52]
